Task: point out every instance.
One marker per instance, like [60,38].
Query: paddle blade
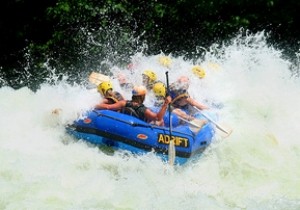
[171,153]
[196,125]
[96,78]
[224,131]
[227,131]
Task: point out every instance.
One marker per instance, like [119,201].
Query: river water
[256,167]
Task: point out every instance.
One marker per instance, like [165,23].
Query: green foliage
[79,35]
[160,23]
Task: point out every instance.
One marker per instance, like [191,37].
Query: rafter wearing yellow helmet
[149,78]
[160,91]
[103,87]
[137,108]
[110,96]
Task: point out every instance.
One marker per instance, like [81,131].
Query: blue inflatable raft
[122,131]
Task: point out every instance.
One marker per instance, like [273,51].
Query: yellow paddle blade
[96,78]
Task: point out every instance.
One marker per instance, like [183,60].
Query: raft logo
[87,120]
[142,136]
[179,141]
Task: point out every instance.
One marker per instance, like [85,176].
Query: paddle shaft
[96,78]
[189,122]
[211,120]
[169,105]
[172,151]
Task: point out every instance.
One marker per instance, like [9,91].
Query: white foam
[255,168]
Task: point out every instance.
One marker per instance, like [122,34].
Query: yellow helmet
[159,89]
[149,73]
[199,71]
[103,87]
[139,90]
[165,61]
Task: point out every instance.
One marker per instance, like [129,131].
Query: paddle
[96,78]
[195,125]
[221,128]
[172,150]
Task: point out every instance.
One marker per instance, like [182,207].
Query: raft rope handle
[141,125]
[120,120]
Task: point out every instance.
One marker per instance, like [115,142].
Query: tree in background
[85,34]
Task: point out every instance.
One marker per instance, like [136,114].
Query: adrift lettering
[179,141]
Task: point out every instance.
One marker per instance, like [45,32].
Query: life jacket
[176,98]
[135,110]
[177,95]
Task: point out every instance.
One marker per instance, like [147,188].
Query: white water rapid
[255,168]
